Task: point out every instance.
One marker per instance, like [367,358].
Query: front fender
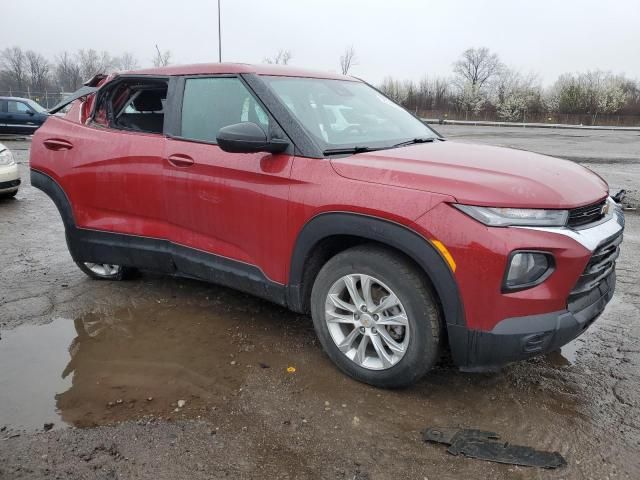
[382,231]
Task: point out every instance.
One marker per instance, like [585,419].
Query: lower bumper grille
[597,273]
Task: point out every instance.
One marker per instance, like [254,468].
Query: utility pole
[219,36]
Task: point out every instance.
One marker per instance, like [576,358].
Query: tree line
[25,71]
[480,86]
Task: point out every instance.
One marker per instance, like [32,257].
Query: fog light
[526,270]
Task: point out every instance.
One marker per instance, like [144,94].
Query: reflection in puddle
[99,369]
[567,354]
[33,359]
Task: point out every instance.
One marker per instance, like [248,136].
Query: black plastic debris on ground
[487,446]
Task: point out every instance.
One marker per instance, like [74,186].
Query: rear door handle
[56,144]
[180,160]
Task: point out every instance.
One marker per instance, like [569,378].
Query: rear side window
[212,103]
[135,104]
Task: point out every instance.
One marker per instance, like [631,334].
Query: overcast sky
[403,38]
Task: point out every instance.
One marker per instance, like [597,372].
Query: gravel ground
[108,363]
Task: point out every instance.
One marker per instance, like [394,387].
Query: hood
[478,175]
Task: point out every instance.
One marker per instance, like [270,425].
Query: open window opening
[133,104]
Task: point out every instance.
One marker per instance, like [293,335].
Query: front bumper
[9,186]
[525,335]
[9,178]
[520,338]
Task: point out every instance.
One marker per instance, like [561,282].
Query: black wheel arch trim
[379,230]
[51,187]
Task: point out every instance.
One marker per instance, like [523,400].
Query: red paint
[251,207]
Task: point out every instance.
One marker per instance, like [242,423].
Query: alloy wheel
[105,270]
[367,321]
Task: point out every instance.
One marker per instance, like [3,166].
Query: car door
[19,118]
[233,206]
[115,182]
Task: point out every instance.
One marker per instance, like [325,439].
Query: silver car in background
[9,174]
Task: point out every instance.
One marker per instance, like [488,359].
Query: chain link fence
[46,99]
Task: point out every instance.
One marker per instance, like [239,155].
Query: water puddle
[99,369]
[567,354]
[228,359]
[34,361]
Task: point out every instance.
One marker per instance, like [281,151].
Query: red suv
[318,193]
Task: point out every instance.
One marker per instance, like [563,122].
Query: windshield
[346,114]
[36,106]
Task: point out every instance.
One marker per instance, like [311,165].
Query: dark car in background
[21,115]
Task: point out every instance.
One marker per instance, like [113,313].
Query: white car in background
[9,175]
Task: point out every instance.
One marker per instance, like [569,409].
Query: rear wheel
[104,271]
[375,317]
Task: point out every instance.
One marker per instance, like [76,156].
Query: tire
[416,344]
[121,273]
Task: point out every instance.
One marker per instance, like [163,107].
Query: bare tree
[434,93]
[477,67]
[474,71]
[394,89]
[14,68]
[38,69]
[161,59]
[348,59]
[283,57]
[127,61]
[92,63]
[67,73]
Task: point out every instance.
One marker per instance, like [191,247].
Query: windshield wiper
[347,150]
[415,140]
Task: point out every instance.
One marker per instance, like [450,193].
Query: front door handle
[56,144]
[180,160]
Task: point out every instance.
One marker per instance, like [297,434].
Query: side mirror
[30,113]
[248,137]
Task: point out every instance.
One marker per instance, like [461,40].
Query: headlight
[504,217]
[6,157]
[526,270]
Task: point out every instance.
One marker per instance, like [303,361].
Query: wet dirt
[81,353]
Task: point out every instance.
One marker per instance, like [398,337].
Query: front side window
[17,107]
[212,103]
[342,113]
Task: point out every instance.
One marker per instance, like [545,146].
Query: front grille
[600,267]
[581,216]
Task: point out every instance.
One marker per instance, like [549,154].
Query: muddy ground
[108,363]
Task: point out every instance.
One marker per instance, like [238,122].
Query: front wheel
[375,317]
[104,271]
